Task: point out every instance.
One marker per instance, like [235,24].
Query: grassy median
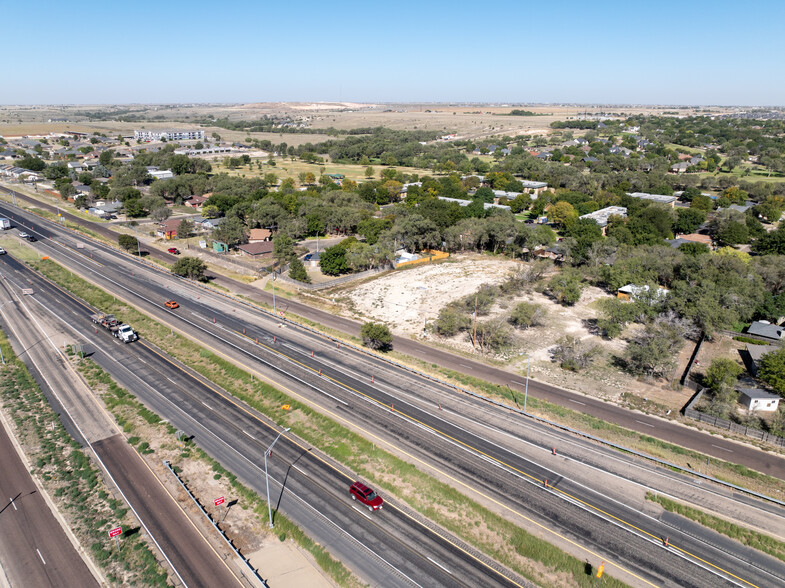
[514,547]
[75,484]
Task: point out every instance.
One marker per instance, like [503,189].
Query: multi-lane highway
[395,542]
[488,459]
[711,445]
[192,559]
[34,549]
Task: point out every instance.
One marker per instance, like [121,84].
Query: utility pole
[474,338]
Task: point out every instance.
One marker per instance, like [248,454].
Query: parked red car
[174,251]
[368,497]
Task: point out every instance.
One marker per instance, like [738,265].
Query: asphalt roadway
[394,543]
[630,548]
[661,428]
[34,549]
[194,561]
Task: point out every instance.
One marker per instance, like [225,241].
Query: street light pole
[267,479]
[274,311]
[526,391]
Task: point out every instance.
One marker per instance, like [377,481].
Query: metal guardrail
[215,525]
[389,361]
[538,418]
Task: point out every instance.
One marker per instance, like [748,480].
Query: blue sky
[606,51]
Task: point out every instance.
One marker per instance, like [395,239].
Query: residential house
[168,228]
[196,201]
[757,399]
[259,235]
[553,253]
[766,330]
[754,355]
[617,150]
[742,207]
[681,167]
[75,166]
[257,249]
[212,223]
[633,292]
[696,238]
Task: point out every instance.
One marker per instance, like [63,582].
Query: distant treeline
[265,125]
[574,124]
[517,112]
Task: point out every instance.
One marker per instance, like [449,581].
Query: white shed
[757,399]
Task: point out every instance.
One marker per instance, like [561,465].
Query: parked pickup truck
[122,331]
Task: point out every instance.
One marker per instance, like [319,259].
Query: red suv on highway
[368,497]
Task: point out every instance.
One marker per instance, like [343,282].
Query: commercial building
[659,198]
[169,135]
[602,216]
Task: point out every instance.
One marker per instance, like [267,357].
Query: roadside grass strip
[138,421]
[722,470]
[745,536]
[528,555]
[70,477]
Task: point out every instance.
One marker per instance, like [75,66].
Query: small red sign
[115,532]
[219,501]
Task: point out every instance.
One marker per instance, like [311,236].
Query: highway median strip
[743,535]
[147,429]
[514,547]
[73,480]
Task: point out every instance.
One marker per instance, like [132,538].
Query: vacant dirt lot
[406,300]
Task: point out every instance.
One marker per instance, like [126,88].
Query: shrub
[452,320]
[376,336]
[526,315]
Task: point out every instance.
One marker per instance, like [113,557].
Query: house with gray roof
[757,399]
[754,355]
[767,330]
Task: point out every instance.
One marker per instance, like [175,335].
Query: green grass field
[286,168]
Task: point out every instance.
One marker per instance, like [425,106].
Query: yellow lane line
[513,468]
[369,434]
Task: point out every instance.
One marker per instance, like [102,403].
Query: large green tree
[128,242]
[376,336]
[771,370]
[566,286]
[332,261]
[298,272]
[190,267]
